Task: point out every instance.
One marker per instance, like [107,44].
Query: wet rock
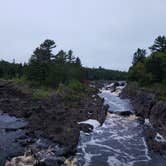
[152,143]
[87,128]
[125,113]
[70,162]
[130,91]
[112,87]
[27,159]
[56,117]
[144,102]
[158,116]
[50,162]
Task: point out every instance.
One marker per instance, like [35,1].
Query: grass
[163,98]
[19,81]
[73,91]
[42,92]
[37,91]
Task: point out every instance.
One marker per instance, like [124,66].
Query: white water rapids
[119,141]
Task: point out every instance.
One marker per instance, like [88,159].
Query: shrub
[42,92]
[76,86]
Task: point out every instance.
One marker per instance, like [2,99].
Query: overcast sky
[101,32]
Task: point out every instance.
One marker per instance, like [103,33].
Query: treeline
[151,69]
[49,69]
[104,74]
[10,70]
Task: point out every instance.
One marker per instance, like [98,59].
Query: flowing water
[10,130]
[119,141]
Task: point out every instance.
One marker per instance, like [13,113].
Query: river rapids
[120,141]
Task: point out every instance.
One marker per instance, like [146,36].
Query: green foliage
[76,86]
[19,80]
[10,70]
[137,71]
[163,98]
[158,88]
[49,70]
[38,68]
[42,92]
[73,87]
[156,65]
[151,72]
[104,74]
[73,91]
[139,56]
[159,44]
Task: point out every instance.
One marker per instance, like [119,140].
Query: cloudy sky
[101,32]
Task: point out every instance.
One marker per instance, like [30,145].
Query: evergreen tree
[70,56]
[159,44]
[43,54]
[78,61]
[139,56]
[38,68]
[61,57]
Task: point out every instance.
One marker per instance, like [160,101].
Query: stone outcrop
[55,118]
[148,105]
[158,116]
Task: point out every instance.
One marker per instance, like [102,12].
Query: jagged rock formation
[148,105]
[54,118]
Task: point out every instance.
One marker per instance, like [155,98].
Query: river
[10,131]
[120,141]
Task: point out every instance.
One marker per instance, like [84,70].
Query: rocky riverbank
[151,109]
[55,119]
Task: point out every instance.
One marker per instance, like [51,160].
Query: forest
[150,70]
[47,69]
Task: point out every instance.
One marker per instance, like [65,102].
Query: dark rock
[87,128]
[130,91]
[144,102]
[56,117]
[125,113]
[158,116]
[150,135]
[42,163]
[50,162]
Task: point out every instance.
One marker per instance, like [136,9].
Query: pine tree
[159,44]
[139,56]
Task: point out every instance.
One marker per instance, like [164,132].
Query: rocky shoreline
[54,119]
[148,106]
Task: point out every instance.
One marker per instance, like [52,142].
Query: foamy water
[119,142]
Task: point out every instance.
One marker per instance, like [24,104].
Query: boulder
[87,128]
[143,103]
[125,113]
[158,116]
[153,144]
